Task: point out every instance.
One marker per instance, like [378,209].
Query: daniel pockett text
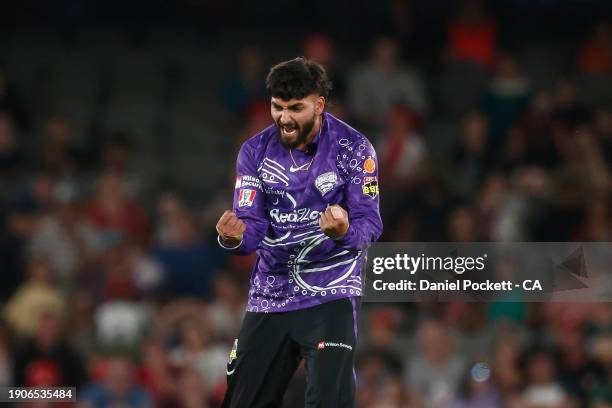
[488,272]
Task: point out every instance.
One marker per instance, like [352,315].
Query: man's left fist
[334,221]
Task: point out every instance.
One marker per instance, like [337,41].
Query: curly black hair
[298,78]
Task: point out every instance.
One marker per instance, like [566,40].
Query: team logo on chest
[325,182]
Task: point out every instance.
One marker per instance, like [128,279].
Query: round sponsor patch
[369,165]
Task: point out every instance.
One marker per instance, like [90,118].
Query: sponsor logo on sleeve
[370,186]
[248,181]
[246,197]
[326,182]
[369,165]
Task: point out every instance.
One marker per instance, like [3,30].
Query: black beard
[303,133]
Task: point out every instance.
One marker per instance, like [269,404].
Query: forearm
[249,242]
[361,233]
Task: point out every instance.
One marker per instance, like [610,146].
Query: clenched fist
[230,228]
[334,221]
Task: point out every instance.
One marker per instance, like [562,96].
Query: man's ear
[320,107]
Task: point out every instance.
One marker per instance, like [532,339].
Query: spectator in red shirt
[595,57]
[472,36]
[112,214]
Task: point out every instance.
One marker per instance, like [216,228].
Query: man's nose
[285,118]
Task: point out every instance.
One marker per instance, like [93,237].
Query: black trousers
[271,345]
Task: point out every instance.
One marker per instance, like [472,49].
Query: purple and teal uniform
[280,195]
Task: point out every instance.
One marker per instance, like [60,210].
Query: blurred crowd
[112,280]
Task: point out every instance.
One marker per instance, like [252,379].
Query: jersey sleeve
[362,199]
[249,203]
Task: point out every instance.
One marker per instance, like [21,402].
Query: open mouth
[289,131]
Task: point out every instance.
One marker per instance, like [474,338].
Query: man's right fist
[230,229]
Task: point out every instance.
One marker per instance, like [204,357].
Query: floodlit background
[119,126]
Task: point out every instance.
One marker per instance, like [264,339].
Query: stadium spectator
[58,152]
[505,100]
[404,152]
[46,359]
[245,86]
[20,221]
[505,367]
[121,322]
[536,127]
[435,371]
[117,388]
[542,386]
[191,392]
[489,201]
[119,156]
[402,149]
[11,158]
[226,311]
[321,49]
[63,237]
[477,392]
[595,56]
[462,225]
[114,215]
[80,328]
[597,224]
[32,299]
[469,161]
[188,263]
[375,87]
[472,36]
[578,372]
[196,350]
[156,374]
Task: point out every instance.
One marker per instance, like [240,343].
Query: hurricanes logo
[326,182]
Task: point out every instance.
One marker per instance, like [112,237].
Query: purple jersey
[280,195]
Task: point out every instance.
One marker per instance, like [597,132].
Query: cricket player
[306,199]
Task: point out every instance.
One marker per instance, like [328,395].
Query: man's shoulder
[344,134]
[259,141]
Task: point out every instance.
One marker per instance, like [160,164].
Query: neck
[312,134]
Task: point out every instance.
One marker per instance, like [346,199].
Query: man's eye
[296,109]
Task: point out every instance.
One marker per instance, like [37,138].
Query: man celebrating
[306,199]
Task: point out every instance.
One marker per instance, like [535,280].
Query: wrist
[229,242]
[344,233]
